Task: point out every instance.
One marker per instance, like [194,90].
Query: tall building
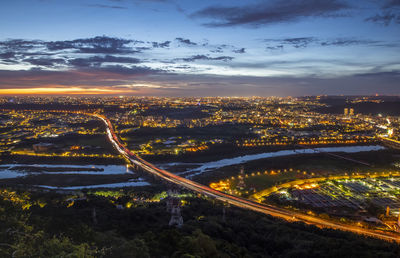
[351,112]
[346,111]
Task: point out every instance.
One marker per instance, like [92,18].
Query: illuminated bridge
[391,143]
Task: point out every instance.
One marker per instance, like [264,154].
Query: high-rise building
[346,111]
[351,112]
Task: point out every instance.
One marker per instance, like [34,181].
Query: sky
[200,48]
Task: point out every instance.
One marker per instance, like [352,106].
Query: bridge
[234,200]
[391,143]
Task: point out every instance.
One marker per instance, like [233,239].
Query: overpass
[391,143]
[234,200]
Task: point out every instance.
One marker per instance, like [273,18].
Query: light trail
[234,200]
[238,201]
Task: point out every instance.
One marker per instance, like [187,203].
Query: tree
[198,244]
[135,248]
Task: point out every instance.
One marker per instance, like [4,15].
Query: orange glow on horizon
[56,90]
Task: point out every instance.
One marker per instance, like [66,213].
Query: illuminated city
[171,128]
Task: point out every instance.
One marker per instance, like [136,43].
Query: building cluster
[348,196]
[41,133]
[244,122]
[264,121]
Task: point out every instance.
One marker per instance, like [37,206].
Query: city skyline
[182,48]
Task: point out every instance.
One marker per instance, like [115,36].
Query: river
[207,166]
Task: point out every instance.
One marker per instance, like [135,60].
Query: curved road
[234,200]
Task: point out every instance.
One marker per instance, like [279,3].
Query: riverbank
[195,169]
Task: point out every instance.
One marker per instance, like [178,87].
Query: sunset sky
[200,48]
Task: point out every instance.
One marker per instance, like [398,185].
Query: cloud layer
[269,12]
[133,66]
[245,47]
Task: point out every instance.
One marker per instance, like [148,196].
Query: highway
[234,200]
[390,142]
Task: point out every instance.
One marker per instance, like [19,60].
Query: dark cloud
[161,44]
[303,42]
[100,44]
[239,51]
[14,50]
[96,52]
[278,44]
[348,42]
[392,4]
[269,12]
[217,50]
[186,41]
[273,48]
[49,62]
[20,44]
[183,67]
[106,6]
[385,19]
[299,42]
[224,47]
[68,53]
[390,14]
[140,49]
[98,60]
[7,55]
[392,74]
[206,58]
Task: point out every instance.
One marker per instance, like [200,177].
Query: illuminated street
[237,201]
